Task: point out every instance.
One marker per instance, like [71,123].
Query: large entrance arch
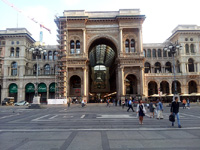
[102,72]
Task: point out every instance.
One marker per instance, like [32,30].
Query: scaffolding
[61,71]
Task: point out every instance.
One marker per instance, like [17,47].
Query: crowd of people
[155,107]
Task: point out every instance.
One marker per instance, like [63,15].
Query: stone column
[140,41]
[121,40]
[141,80]
[84,42]
[121,91]
[198,89]
[85,83]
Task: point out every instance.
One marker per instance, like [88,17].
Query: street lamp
[172,49]
[37,51]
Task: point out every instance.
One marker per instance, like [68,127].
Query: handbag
[172,118]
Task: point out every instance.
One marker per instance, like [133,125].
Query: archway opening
[131,86]
[152,88]
[192,87]
[164,87]
[75,87]
[29,92]
[102,73]
[13,90]
[178,86]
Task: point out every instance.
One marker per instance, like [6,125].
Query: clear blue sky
[162,16]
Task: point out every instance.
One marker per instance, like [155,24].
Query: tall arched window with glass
[47,69]
[45,56]
[72,50]
[127,46]
[157,67]
[147,67]
[14,69]
[55,55]
[12,52]
[50,55]
[17,52]
[144,52]
[154,53]
[35,69]
[78,47]
[192,48]
[149,53]
[186,48]
[164,53]
[191,65]
[159,53]
[132,45]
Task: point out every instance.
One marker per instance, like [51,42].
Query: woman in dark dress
[141,111]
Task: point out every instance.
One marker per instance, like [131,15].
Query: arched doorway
[42,92]
[192,87]
[152,88]
[75,86]
[13,90]
[52,90]
[131,85]
[164,87]
[29,92]
[102,73]
[178,86]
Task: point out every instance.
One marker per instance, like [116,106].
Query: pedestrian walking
[108,102]
[184,103]
[151,109]
[159,110]
[188,102]
[130,105]
[141,111]
[175,111]
[123,104]
[82,103]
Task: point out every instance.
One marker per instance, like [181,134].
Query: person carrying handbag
[141,111]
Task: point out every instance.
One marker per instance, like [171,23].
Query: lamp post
[36,51]
[172,49]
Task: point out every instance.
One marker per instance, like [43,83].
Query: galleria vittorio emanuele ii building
[99,55]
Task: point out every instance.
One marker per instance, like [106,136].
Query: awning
[30,88]
[52,87]
[42,88]
[155,95]
[13,88]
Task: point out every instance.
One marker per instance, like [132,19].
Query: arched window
[50,55]
[168,67]
[147,67]
[45,56]
[35,69]
[17,52]
[132,45]
[191,65]
[154,53]
[72,50]
[12,52]
[192,48]
[127,46]
[144,52]
[159,53]
[55,55]
[149,53]
[78,47]
[169,54]
[164,53]
[186,48]
[14,69]
[157,67]
[47,69]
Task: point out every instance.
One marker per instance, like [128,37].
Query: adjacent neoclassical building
[100,54]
